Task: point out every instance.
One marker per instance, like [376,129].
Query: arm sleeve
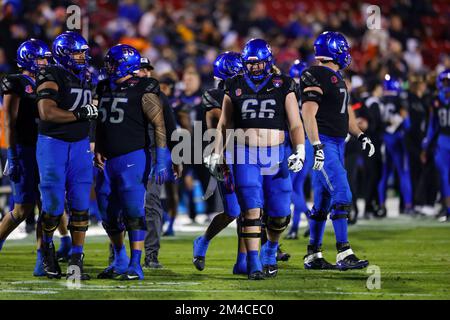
[310,78]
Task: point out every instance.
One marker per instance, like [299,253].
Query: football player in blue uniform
[226,65]
[439,125]
[19,96]
[259,105]
[128,105]
[327,122]
[396,121]
[63,153]
[298,178]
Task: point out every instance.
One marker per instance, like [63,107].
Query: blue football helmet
[443,86]
[296,69]
[65,46]
[256,51]
[391,85]
[122,60]
[28,53]
[227,65]
[332,46]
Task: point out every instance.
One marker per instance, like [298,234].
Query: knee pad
[78,221]
[135,223]
[318,215]
[49,223]
[340,211]
[277,224]
[250,223]
[113,228]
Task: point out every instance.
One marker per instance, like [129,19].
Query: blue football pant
[65,172]
[396,157]
[27,189]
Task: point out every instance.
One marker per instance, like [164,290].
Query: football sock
[253,262]
[448,214]
[66,242]
[1,244]
[135,257]
[170,226]
[241,258]
[340,230]
[77,249]
[316,232]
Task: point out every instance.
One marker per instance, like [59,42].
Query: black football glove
[87,112]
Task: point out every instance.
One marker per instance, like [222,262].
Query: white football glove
[297,159]
[213,163]
[365,140]
[319,156]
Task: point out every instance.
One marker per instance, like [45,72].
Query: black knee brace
[340,211]
[277,224]
[318,215]
[78,221]
[250,223]
[48,222]
[112,229]
[135,223]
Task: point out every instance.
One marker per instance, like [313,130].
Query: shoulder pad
[309,78]
[46,74]
[151,85]
[9,84]
[209,102]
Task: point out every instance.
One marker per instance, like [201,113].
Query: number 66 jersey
[261,106]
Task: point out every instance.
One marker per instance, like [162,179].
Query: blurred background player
[439,126]
[128,105]
[327,121]
[153,206]
[19,98]
[397,123]
[63,152]
[260,168]
[226,65]
[298,178]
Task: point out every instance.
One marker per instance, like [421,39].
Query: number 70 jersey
[332,115]
[122,126]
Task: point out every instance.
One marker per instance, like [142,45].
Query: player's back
[72,93]
[28,115]
[122,122]
[332,115]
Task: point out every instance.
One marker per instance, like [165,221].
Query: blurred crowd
[182,38]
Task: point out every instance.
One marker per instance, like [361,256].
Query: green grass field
[413,257]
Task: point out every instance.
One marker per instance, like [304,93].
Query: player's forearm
[48,111]
[297,135]
[309,110]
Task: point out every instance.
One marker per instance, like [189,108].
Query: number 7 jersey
[122,126]
[332,115]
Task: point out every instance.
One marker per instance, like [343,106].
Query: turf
[413,257]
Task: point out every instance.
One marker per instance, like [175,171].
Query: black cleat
[346,260]
[282,256]
[109,273]
[270,271]
[381,213]
[199,263]
[49,261]
[314,260]
[75,267]
[257,275]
